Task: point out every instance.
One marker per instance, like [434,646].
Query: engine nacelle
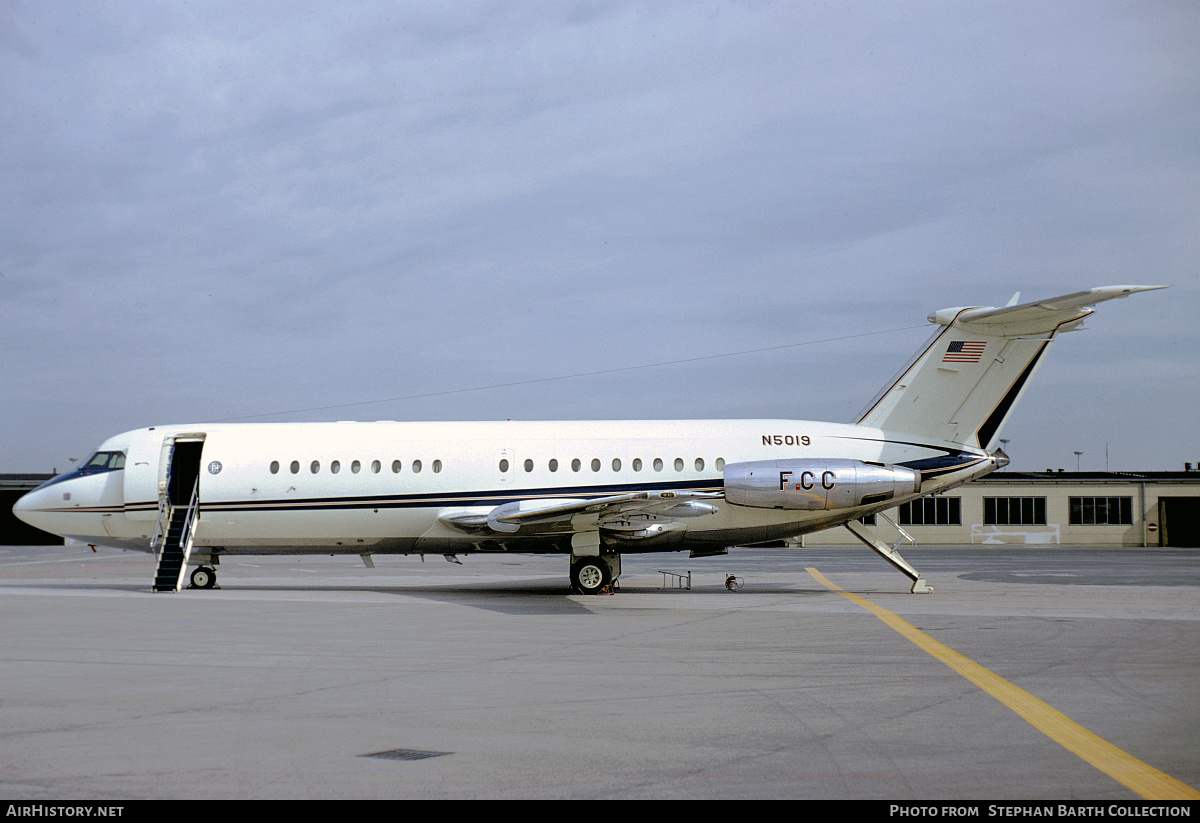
[808,484]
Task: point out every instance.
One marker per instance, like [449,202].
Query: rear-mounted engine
[816,484]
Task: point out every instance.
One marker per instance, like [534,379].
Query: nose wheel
[204,577]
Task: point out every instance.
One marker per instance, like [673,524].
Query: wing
[557,515]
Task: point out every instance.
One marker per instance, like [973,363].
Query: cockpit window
[105,460]
[99,462]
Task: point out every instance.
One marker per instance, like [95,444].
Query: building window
[867,520]
[1101,511]
[1014,511]
[932,511]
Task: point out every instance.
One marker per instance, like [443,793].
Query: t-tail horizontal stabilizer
[961,386]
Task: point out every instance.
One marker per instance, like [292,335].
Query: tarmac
[316,677]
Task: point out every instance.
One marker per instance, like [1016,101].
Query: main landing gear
[204,577]
[589,575]
[595,574]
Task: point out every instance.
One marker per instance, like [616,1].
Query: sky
[588,210]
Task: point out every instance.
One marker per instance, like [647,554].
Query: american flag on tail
[964,351]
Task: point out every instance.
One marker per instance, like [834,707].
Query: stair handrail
[191,514]
[164,505]
[904,537]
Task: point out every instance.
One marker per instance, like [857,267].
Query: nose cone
[24,505]
[29,508]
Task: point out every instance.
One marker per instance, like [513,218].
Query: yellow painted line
[1126,769]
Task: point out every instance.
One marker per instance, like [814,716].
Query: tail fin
[962,385]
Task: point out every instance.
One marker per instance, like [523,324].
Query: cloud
[228,208]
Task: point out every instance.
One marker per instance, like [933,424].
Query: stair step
[172,558]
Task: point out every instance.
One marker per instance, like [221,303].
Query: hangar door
[1179,521]
[14,532]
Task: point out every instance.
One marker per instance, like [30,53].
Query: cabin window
[616,464]
[396,466]
[437,466]
[678,464]
[637,464]
[416,467]
[699,464]
[295,467]
[376,466]
[355,466]
[274,467]
[658,464]
[503,466]
[335,467]
[315,466]
[595,464]
[575,464]
[528,465]
[553,465]
[719,464]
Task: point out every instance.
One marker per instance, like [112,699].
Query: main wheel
[589,575]
[203,578]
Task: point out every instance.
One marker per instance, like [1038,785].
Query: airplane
[593,490]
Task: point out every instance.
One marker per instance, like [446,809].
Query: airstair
[173,545]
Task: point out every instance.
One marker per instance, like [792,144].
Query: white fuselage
[388,487]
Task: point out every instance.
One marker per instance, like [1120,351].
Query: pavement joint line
[1141,778]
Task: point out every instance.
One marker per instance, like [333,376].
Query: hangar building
[1049,508]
